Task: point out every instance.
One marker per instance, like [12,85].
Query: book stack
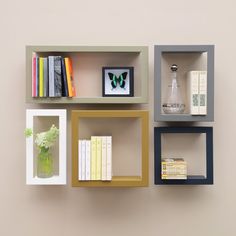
[95,158]
[197,92]
[173,168]
[52,76]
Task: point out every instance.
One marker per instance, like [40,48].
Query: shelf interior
[186,62]
[126,142]
[87,69]
[189,146]
[42,124]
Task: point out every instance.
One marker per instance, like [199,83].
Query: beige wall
[156,210]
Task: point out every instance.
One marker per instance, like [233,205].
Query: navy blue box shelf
[191,179]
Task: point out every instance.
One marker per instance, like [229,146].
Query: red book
[34,76]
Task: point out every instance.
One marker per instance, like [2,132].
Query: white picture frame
[57,179]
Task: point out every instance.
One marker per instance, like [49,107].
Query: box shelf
[191,179]
[47,117]
[86,123]
[87,66]
[187,57]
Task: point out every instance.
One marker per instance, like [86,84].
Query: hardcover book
[57,76]
[64,79]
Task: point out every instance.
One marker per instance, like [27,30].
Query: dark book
[57,77]
[64,79]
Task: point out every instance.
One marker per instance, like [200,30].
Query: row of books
[95,158]
[52,76]
[197,92]
[173,168]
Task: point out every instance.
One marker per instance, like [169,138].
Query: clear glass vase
[44,163]
[173,103]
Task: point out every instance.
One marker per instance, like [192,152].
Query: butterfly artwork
[117,81]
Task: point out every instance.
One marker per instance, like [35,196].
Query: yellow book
[41,77]
[99,159]
[93,157]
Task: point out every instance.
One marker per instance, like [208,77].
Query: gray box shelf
[187,56]
[87,63]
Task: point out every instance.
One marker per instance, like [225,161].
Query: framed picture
[118,81]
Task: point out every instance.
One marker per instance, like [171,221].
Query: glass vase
[44,163]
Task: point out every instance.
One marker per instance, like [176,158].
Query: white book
[88,159]
[109,158]
[80,159]
[203,92]
[51,76]
[83,164]
[193,92]
[104,158]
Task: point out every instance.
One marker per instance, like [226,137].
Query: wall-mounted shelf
[59,177]
[187,57]
[87,66]
[118,124]
[191,179]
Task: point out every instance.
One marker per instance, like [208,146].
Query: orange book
[69,76]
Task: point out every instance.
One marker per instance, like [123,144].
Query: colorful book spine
[193,92]
[45,77]
[93,157]
[109,158]
[41,77]
[68,76]
[99,159]
[203,92]
[88,157]
[64,79]
[51,76]
[34,94]
[80,160]
[104,158]
[37,76]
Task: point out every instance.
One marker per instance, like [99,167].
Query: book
[173,168]
[45,77]
[203,92]
[51,76]
[83,160]
[37,76]
[68,76]
[109,158]
[64,79]
[57,76]
[87,174]
[104,158]
[80,160]
[34,75]
[41,74]
[93,157]
[193,92]
[99,159]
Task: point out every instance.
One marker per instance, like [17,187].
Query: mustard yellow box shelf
[129,131]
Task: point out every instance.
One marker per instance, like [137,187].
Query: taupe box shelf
[87,66]
[187,57]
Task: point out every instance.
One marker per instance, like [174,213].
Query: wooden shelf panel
[87,66]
